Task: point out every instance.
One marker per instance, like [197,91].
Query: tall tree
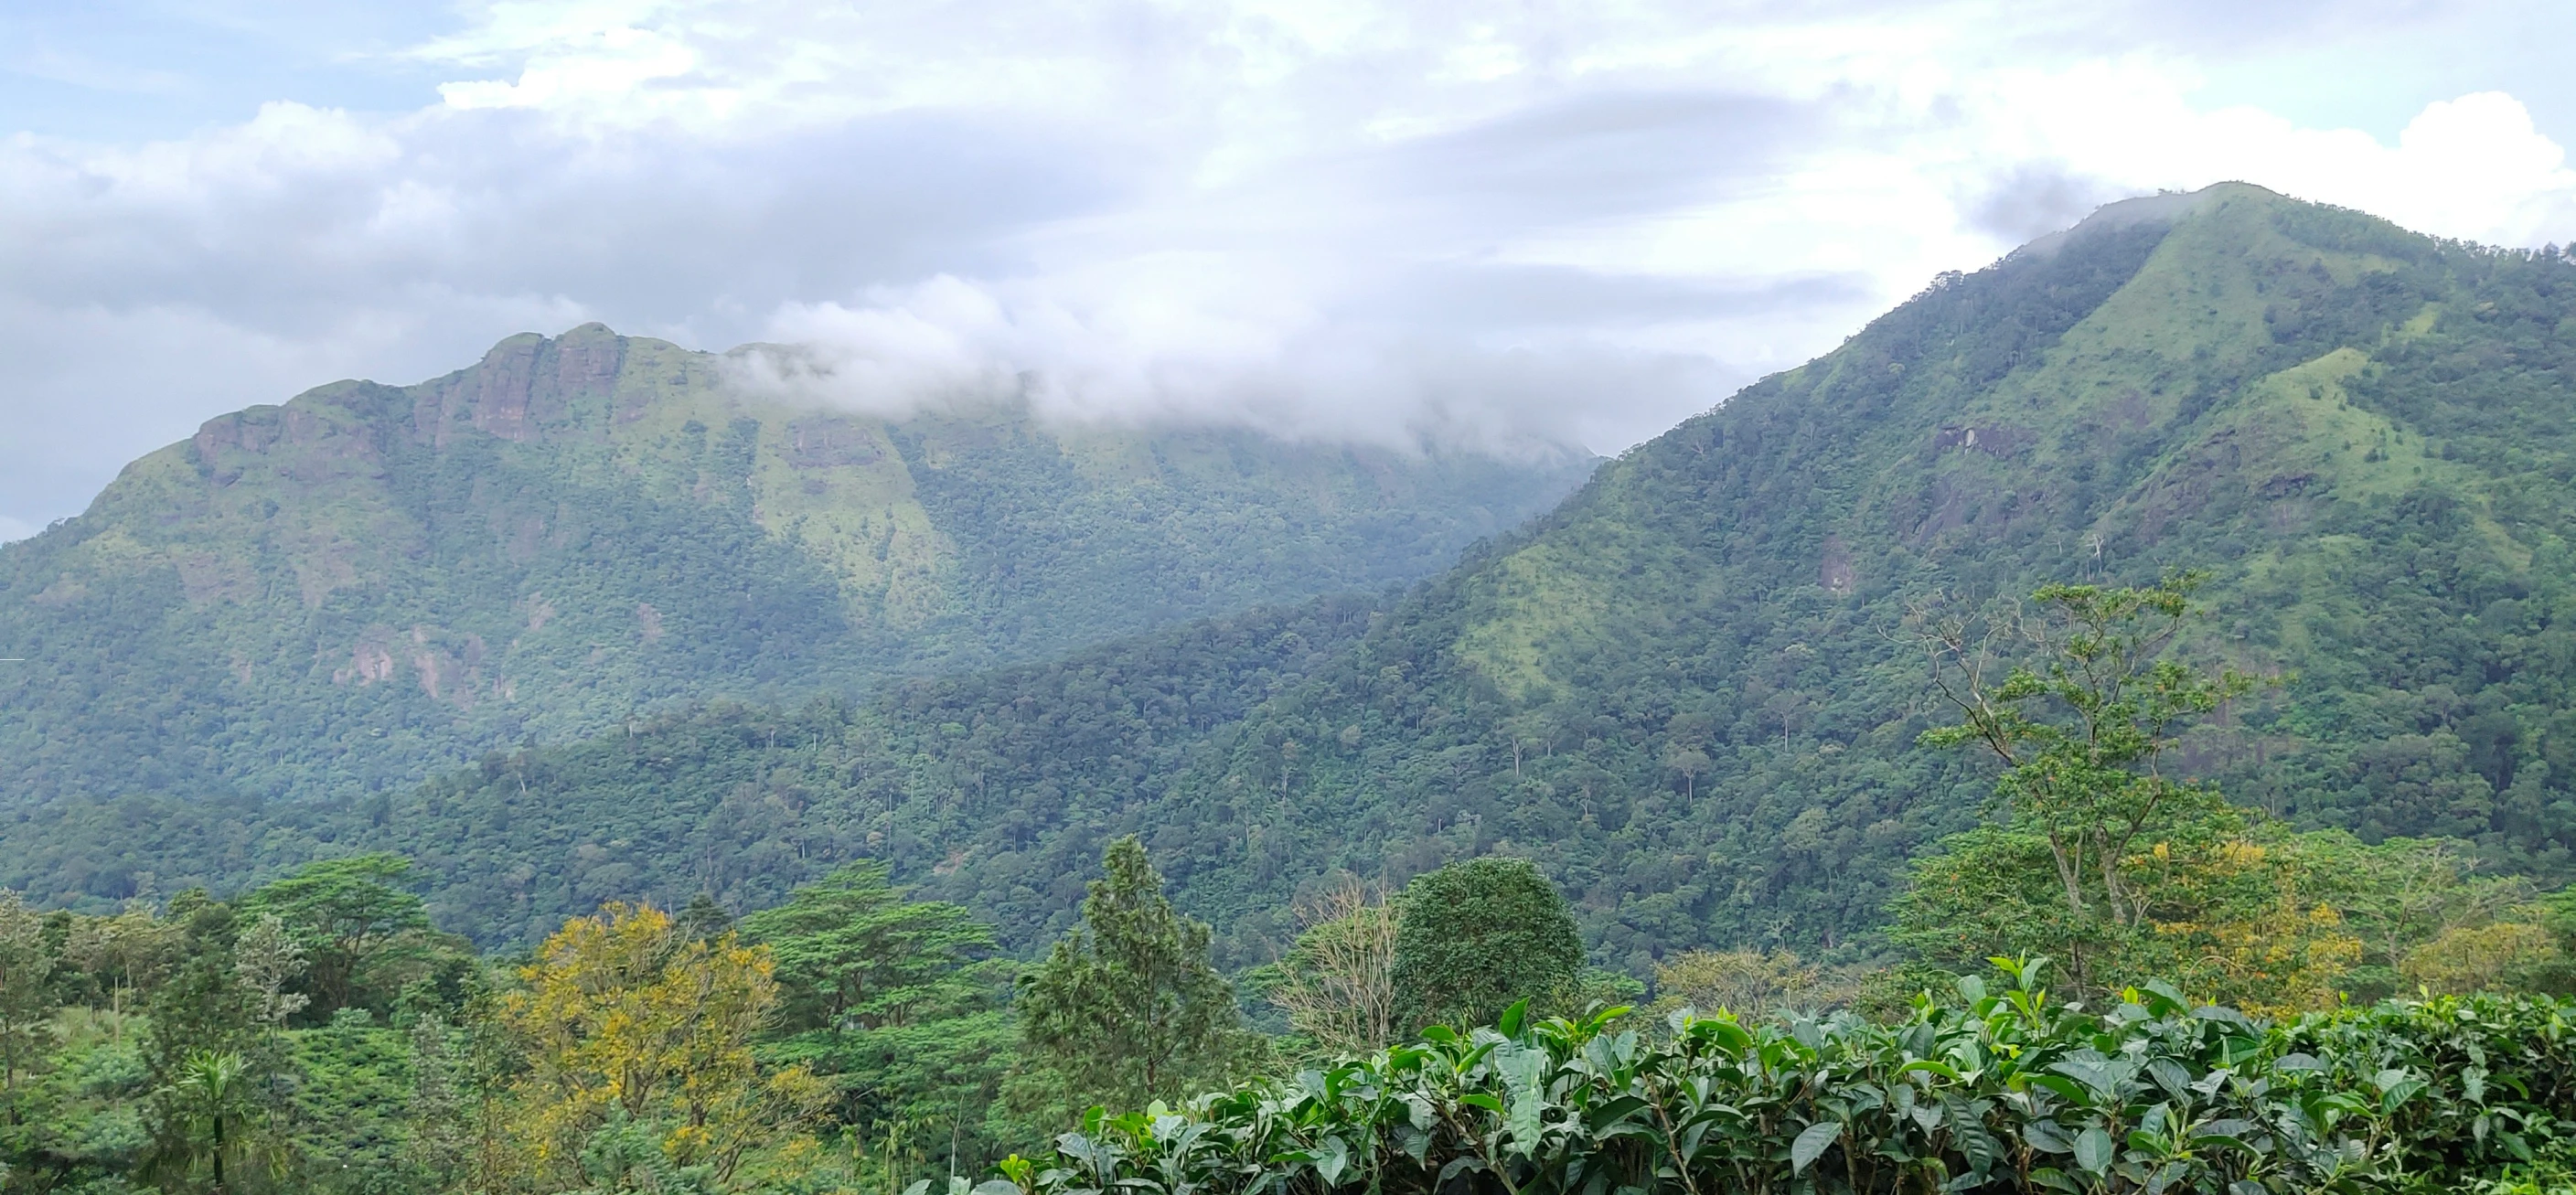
[26,990]
[214,1094]
[2081,721]
[898,1003]
[266,958]
[1127,1008]
[851,951]
[343,912]
[207,1048]
[1476,936]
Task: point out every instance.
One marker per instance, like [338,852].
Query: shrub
[1997,1090]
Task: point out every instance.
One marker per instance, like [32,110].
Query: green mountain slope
[2364,433]
[372,583]
[1689,692]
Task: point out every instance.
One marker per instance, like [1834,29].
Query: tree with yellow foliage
[635,1030]
[2245,923]
[1753,984]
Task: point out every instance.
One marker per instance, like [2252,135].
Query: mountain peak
[2163,207]
[578,526]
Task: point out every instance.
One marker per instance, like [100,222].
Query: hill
[1690,692]
[372,583]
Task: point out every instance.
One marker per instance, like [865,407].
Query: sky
[1490,227]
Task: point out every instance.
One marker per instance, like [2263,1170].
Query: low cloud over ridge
[1425,225]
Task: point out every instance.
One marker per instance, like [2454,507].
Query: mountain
[1690,692]
[373,583]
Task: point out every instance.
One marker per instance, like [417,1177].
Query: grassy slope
[370,583]
[2269,395]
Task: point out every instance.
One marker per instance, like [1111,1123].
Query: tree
[1475,937]
[1337,984]
[124,955]
[1127,1009]
[625,1018]
[343,912]
[704,918]
[2081,734]
[203,1010]
[442,1140]
[897,1002]
[213,1093]
[2400,894]
[26,990]
[2496,957]
[266,959]
[1750,983]
[850,951]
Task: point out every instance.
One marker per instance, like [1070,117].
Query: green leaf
[1812,1144]
[2094,1150]
[2073,1092]
[2046,1137]
[2398,1093]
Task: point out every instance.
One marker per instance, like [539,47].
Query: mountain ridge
[1688,692]
[574,530]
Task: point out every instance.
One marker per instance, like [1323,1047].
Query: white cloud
[1448,221]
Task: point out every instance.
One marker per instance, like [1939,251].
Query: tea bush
[1996,1090]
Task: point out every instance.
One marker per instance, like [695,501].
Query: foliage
[897,1003]
[2230,914]
[1752,984]
[628,1023]
[630,1031]
[850,952]
[2003,1090]
[266,958]
[344,914]
[1473,937]
[2087,781]
[1126,1008]
[368,585]
[2500,956]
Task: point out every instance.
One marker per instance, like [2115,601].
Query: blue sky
[1482,225]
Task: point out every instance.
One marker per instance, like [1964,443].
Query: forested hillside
[372,583]
[1692,694]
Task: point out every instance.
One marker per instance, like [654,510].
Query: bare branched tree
[1337,984]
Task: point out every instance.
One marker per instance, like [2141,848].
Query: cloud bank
[1424,224]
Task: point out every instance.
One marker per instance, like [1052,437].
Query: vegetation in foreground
[317,1034]
[2001,1090]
